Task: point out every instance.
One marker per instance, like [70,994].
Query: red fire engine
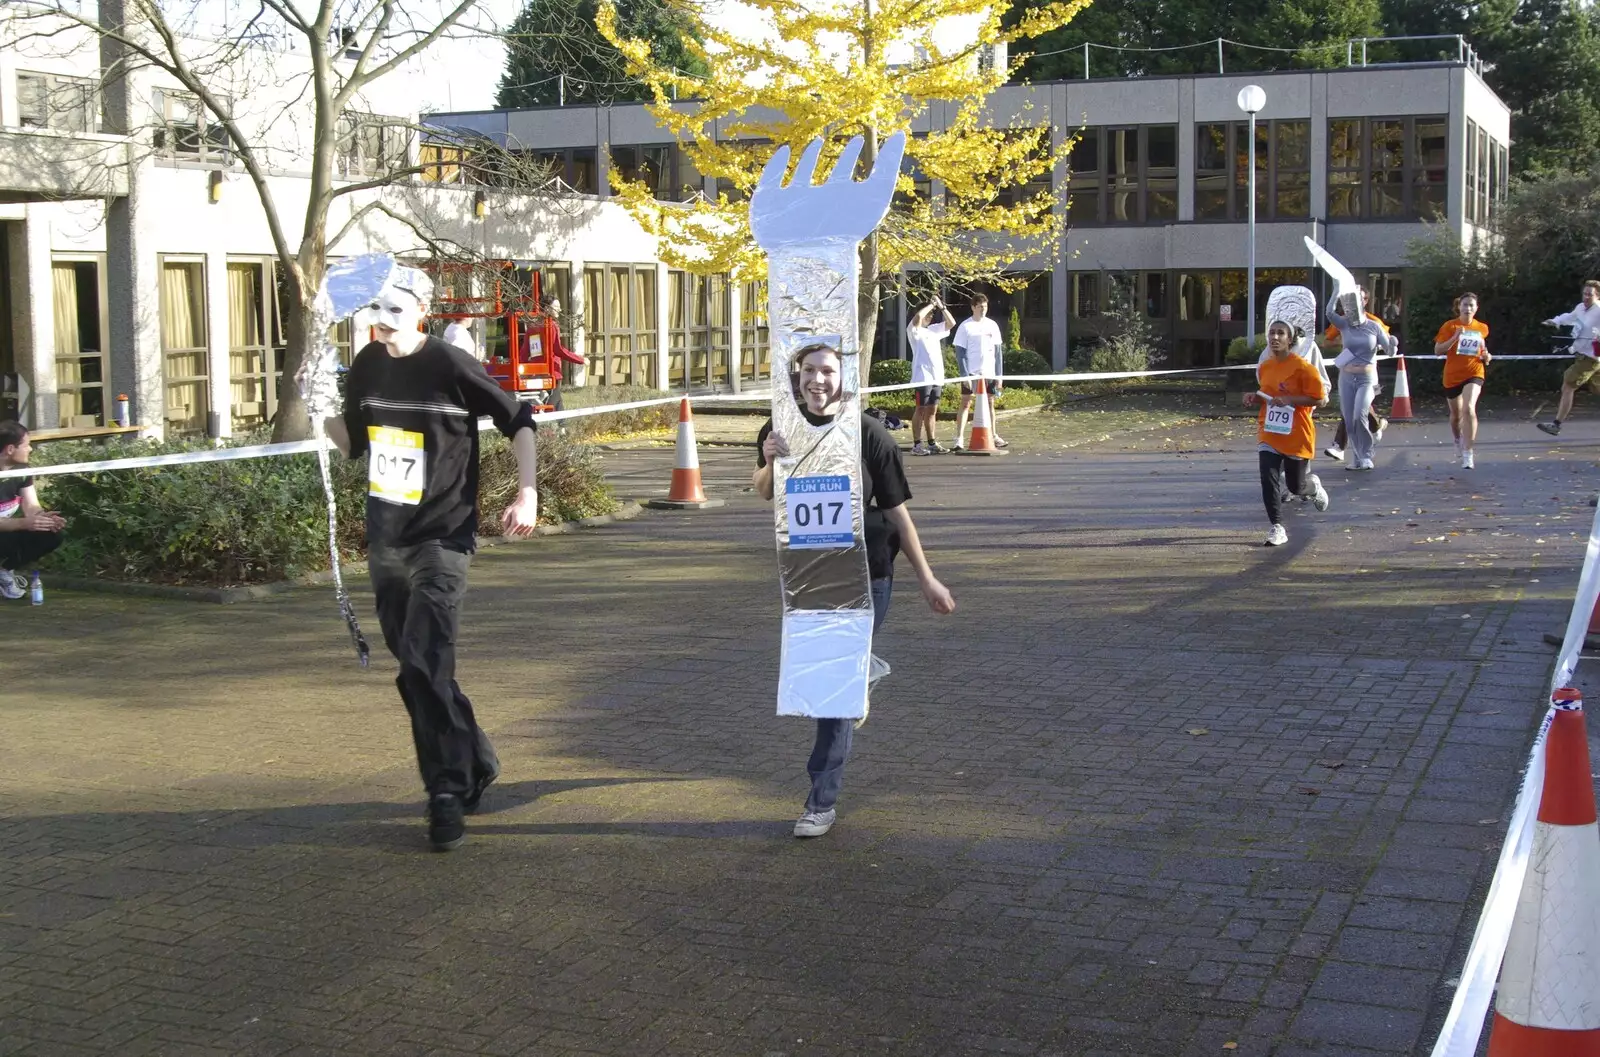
[520,342]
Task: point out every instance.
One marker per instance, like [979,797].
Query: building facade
[136,257]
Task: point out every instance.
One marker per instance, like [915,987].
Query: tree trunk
[292,422]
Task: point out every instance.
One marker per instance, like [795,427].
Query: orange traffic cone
[686,492]
[1548,1001]
[981,442]
[1400,406]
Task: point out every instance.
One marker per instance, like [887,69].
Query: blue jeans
[832,747]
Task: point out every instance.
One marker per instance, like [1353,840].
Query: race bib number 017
[819,512]
[397,465]
[1469,342]
[1280,419]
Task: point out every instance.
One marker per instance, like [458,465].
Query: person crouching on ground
[888,528]
[27,530]
[1286,436]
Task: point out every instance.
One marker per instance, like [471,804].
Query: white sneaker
[1383,424]
[1334,452]
[10,586]
[1319,494]
[1466,460]
[1278,536]
[814,823]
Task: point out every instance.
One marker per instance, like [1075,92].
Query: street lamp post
[1251,100]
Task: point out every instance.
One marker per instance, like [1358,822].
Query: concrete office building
[1363,159]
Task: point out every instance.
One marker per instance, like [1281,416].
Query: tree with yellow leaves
[840,68]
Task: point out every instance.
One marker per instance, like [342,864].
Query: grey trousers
[1355,402]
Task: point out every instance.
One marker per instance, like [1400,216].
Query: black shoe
[447,826]
[483,781]
[1552,428]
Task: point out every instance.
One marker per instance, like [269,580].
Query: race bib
[397,465]
[1280,419]
[819,511]
[1469,343]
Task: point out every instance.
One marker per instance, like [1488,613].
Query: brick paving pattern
[1154,789]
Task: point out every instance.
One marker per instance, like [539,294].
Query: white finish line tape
[261,451]
[1459,1035]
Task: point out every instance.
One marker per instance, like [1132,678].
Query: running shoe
[938,449]
[1334,452]
[1552,428]
[956,447]
[1278,536]
[1466,460]
[999,443]
[814,823]
[1319,494]
[1383,424]
[1364,464]
[11,586]
[446,826]
[918,449]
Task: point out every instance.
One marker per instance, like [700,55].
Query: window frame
[51,85]
[1269,168]
[607,343]
[1099,182]
[211,142]
[1409,170]
[395,137]
[198,420]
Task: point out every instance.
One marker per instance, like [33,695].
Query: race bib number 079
[819,511]
[397,465]
[1280,419]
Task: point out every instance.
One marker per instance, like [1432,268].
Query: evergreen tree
[554,52]
[1543,60]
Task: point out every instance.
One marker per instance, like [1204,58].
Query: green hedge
[260,520]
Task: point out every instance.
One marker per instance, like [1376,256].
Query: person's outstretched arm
[937,594]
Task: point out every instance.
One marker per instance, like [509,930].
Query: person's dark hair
[12,434]
[1592,284]
[978,299]
[1456,304]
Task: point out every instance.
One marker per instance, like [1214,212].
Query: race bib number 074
[819,510]
[1469,342]
[397,465]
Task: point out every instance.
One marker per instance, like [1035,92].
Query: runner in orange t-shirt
[1286,437]
[1464,344]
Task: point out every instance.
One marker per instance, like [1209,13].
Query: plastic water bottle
[36,590]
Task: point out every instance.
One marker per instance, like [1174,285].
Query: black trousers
[1281,477]
[1341,434]
[419,591]
[21,549]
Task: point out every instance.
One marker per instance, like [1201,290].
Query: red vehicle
[521,343]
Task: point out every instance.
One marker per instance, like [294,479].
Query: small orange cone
[686,492]
[1400,406]
[981,441]
[1548,1001]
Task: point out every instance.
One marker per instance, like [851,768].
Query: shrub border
[256,592]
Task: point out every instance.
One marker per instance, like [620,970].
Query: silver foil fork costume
[347,287]
[811,233]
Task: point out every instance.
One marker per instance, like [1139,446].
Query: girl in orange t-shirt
[1286,437]
[1464,344]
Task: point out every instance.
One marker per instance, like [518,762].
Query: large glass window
[188,129]
[1388,168]
[651,166]
[372,144]
[699,337]
[184,347]
[79,313]
[1124,175]
[1197,296]
[755,350]
[1085,295]
[1283,170]
[49,100]
[619,312]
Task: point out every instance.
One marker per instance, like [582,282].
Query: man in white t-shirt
[978,351]
[1584,319]
[459,334]
[927,374]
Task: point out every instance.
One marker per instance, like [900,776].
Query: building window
[698,334]
[651,166]
[1388,168]
[79,312]
[441,163]
[1085,295]
[755,347]
[619,314]
[1155,295]
[574,167]
[184,345]
[188,129]
[1197,297]
[371,144]
[1124,175]
[256,340]
[48,100]
[1283,170]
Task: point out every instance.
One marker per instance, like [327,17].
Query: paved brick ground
[1153,790]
